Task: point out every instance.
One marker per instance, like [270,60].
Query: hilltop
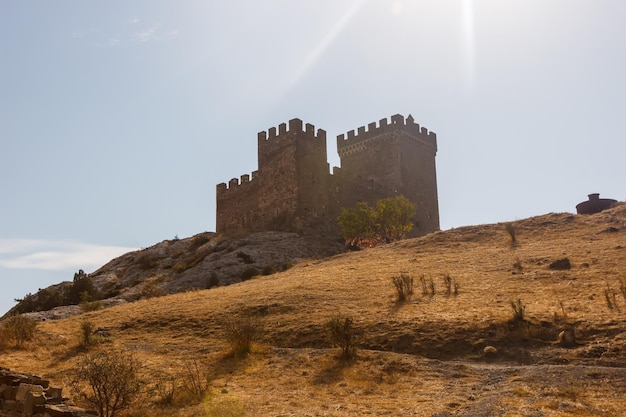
[202,261]
[433,355]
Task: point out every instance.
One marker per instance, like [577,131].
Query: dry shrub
[196,379]
[17,329]
[512,232]
[404,286]
[452,287]
[343,334]
[519,310]
[242,333]
[112,381]
[609,296]
[86,333]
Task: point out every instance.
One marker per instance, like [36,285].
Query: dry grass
[417,358]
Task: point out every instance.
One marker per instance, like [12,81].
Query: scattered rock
[567,338]
[561,264]
[490,351]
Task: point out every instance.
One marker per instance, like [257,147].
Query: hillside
[422,357]
[205,260]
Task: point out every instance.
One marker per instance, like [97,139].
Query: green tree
[82,289]
[358,223]
[389,220]
[394,217]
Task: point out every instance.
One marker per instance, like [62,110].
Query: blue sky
[118,118]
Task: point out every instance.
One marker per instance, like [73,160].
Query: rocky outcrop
[30,395]
[203,261]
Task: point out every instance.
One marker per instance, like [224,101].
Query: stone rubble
[30,395]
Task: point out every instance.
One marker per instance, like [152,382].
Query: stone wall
[30,395]
[293,189]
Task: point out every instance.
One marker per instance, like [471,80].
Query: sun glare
[313,56]
[396,7]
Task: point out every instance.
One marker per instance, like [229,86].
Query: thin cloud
[149,34]
[133,21]
[56,255]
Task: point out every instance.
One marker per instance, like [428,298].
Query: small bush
[512,232]
[196,379]
[452,287]
[112,378]
[242,334]
[518,310]
[164,389]
[18,329]
[343,335]
[152,290]
[90,306]
[609,296]
[213,280]
[269,270]
[286,265]
[249,273]
[86,334]
[404,286]
[428,287]
[198,241]
[622,287]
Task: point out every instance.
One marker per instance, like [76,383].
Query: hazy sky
[118,118]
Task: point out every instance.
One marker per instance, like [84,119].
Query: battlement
[293,189]
[373,131]
[272,138]
[235,183]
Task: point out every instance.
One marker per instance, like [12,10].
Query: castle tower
[289,190]
[292,189]
[391,159]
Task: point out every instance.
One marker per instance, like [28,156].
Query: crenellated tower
[288,190]
[390,159]
[293,189]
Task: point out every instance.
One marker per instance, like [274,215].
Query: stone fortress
[294,190]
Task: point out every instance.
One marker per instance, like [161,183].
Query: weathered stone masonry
[29,395]
[293,188]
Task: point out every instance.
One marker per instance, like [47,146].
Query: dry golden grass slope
[423,357]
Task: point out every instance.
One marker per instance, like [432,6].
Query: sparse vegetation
[196,379]
[407,352]
[452,287]
[17,329]
[389,220]
[198,241]
[86,333]
[404,286]
[111,379]
[249,273]
[512,232]
[610,297]
[241,334]
[428,286]
[88,306]
[519,309]
[343,334]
